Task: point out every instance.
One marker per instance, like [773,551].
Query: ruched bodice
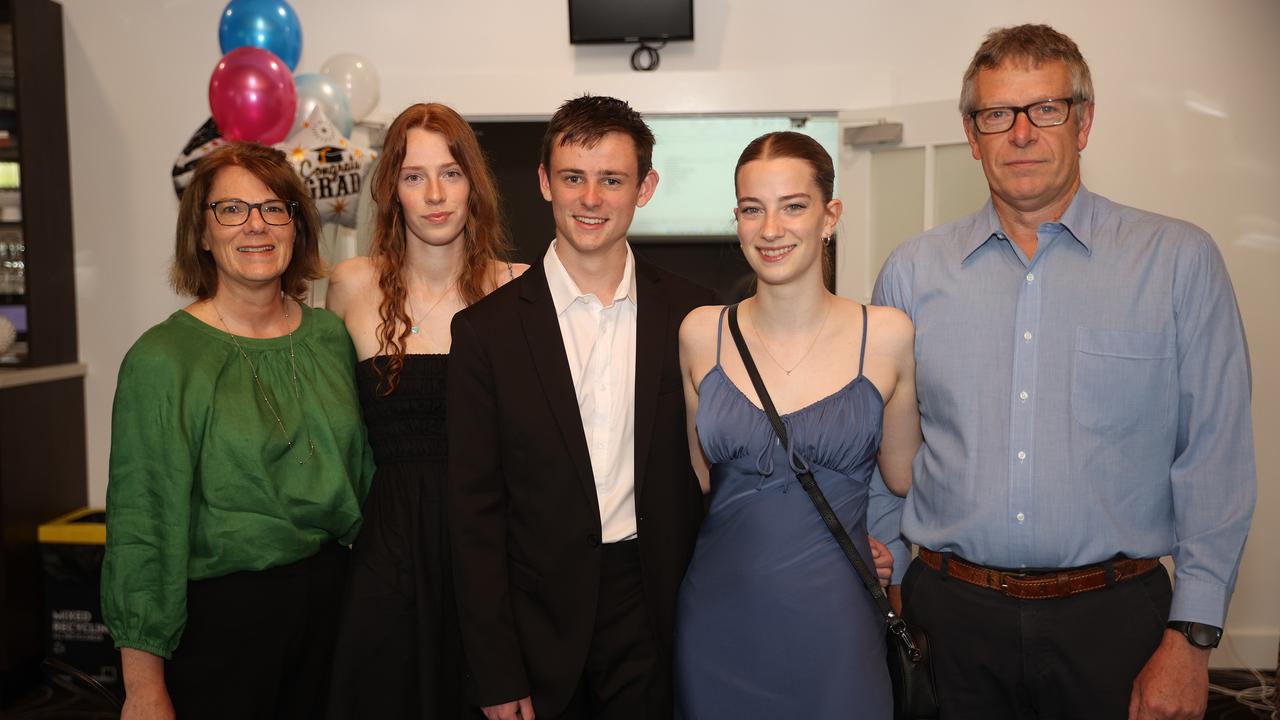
[772,620]
[723,424]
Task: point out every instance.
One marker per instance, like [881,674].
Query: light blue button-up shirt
[1090,401]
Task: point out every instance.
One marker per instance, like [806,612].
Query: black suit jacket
[523,512]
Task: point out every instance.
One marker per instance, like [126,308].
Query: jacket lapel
[546,345]
[651,346]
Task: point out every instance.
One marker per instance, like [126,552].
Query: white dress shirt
[600,342]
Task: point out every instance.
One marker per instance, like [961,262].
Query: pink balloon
[252,96]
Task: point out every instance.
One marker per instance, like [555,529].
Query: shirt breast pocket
[1122,380]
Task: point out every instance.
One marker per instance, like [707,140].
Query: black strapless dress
[399,654]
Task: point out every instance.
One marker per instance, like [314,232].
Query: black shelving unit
[42,432]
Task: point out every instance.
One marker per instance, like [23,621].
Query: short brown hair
[1031,45]
[194,271]
[585,120]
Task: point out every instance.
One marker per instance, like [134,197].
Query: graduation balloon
[201,143]
[330,165]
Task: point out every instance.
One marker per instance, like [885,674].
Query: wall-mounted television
[628,21]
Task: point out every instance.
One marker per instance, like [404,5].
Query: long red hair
[484,236]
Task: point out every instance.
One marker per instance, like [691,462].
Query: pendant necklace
[812,343]
[297,395]
[415,325]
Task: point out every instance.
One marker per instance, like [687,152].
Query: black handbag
[910,667]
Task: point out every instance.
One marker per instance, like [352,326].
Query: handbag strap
[811,488]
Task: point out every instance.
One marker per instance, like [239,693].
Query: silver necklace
[812,342]
[297,395]
[415,326]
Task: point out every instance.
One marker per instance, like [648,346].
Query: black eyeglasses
[1046,113]
[236,212]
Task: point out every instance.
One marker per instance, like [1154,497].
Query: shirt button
[1020,517]
[1022,455]
[1023,395]
[1031,277]
[1027,336]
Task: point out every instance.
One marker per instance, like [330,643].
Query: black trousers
[624,678]
[259,644]
[999,657]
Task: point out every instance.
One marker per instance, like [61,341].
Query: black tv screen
[618,21]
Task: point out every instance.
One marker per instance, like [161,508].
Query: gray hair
[1031,45]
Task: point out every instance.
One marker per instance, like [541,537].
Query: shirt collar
[1077,221]
[564,291]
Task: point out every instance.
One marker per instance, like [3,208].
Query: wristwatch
[1198,634]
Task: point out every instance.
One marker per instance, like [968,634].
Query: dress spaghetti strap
[720,332]
[862,352]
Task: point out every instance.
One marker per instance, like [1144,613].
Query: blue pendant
[414,329]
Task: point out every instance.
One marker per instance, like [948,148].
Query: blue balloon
[267,24]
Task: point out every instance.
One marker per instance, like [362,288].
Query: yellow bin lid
[74,529]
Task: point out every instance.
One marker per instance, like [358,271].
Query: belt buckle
[998,580]
[1002,578]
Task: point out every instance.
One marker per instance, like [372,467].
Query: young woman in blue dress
[772,619]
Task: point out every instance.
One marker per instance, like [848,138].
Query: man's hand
[883,560]
[1174,684]
[521,709]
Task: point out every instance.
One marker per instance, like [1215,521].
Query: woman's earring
[826,240]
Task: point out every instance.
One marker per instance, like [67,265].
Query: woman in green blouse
[238,462]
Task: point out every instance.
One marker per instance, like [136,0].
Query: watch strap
[1199,635]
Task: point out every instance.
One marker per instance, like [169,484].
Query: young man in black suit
[573,504]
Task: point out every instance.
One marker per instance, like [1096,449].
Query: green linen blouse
[202,482]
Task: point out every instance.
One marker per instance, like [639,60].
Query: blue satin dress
[772,620]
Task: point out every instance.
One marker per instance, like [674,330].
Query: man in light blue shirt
[1084,390]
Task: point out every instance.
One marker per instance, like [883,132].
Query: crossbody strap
[810,486]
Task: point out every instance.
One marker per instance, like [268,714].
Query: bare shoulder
[700,324]
[350,280]
[501,272]
[357,270]
[697,335]
[891,327]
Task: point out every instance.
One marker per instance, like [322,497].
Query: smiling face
[255,253]
[782,219]
[594,192]
[1030,169]
[432,189]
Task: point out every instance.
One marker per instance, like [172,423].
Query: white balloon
[355,74]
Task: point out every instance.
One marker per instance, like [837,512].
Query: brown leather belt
[1040,585]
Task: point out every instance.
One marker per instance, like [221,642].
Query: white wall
[1185,125]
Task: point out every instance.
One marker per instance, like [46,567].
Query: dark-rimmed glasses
[1046,113]
[236,212]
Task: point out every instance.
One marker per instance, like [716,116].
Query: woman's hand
[146,697]
[150,706]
